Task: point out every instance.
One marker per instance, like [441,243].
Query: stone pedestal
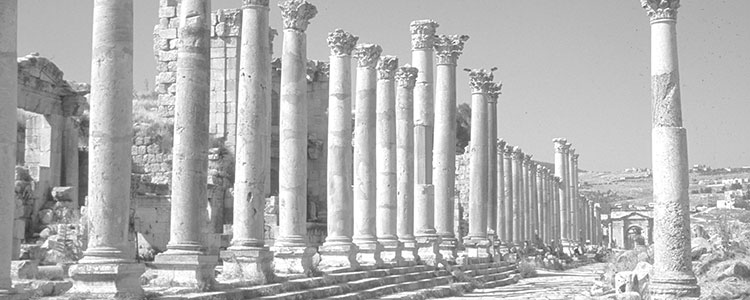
[391,252]
[338,256]
[251,265]
[405,79]
[102,280]
[478,248]
[294,259]
[192,271]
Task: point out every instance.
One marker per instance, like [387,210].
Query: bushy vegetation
[527,269]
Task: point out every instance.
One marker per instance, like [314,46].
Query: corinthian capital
[449,47]
[517,153]
[251,3]
[406,76]
[367,55]
[480,80]
[574,157]
[423,34]
[527,158]
[501,145]
[559,144]
[297,13]
[341,42]
[387,67]
[495,91]
[661,9]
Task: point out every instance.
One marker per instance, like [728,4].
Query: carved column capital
[501,145]
[341,42]
[560,144]
[387,67]
[423,34]
[297,13]
[527,159]
[661,9]
[517,153]
[508,151]
[480,80]
[367,55]
[448,48]
[574,157]
[254,3]
[495,91]
[406,76]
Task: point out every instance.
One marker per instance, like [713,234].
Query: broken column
[247,258]
[8,132]
[108,267]
[385,152]
[291,251]
[406,77]
[447,50]
[560,171]
[365,237]
[476,242]
[517,175]
[509,183]
[673,273]
[339,251]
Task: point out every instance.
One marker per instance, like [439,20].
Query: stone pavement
[570,284]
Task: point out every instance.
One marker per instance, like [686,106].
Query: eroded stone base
[248,265]
[409,252]
[106,281]
[679,286]
[478,248]
[369,253]
[337,256]
[294,260]
[391,252]
[448,249]
[428,249]
[192,271]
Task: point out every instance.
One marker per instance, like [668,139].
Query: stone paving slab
[551,285]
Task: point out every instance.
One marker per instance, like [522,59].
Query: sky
[574,69]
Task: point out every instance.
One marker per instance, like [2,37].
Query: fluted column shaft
[508,183]
[672,276]
[8,105]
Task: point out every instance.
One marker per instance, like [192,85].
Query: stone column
[560,171]
[108,267]
[406,77]
[492,163]
[527,210]
[509,183]
[517,174]
[557,215]
[291,251]
[539,204]
[385,152]
[568,199]
[365,238]
[673,275]
[247,257]
[476,241]
[8,131]
[447,50]
[576,215]
[500,212]
[338,251]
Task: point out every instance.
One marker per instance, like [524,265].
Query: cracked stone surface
[570,284]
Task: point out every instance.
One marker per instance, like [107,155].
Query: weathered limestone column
[568,196]
[476,241]
[247,257]
[557,215]
[108,267]
[560,172]
[548,207]
[365,237]
[517,174]
[447,50]
[291,251]
[502,234]
[406,77]
[527,198]
[338,251]
[539,204]
[8,131]
[673,274]
[575,202]
[492,162]
[385,152]
[509,183]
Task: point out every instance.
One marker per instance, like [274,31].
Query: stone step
[356,275]
[449,290]
[479,272]
[495,276]
[395,288]
[485,265]
[512,279]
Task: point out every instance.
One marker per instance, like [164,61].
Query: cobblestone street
[570,284]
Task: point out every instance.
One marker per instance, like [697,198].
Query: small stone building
[627,228]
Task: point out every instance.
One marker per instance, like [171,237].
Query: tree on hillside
[463,127]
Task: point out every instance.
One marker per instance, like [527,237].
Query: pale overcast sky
[576,69]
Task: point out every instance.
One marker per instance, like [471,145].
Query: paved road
[570,284]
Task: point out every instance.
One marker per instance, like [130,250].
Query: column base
[674,286]
[369,253]
[294,260]
[448,249]
[428,249]
[192,271]
[410,252]
[391,252]
[338,256]
[250,265]
[477,247]
[105,280]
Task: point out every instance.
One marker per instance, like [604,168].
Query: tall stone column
[500,212]
[673,276]
[575,201]
[540,203]
[560,171]
[406,77]
[291,251]
[8,132]
[247,258]
[447,50]
[527,195]
[338,251]
[510,198]
[518,207]
[476,241]
[557,219]
[365,237]
[492,204]
[108,267]
[569,227]
[385,152]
